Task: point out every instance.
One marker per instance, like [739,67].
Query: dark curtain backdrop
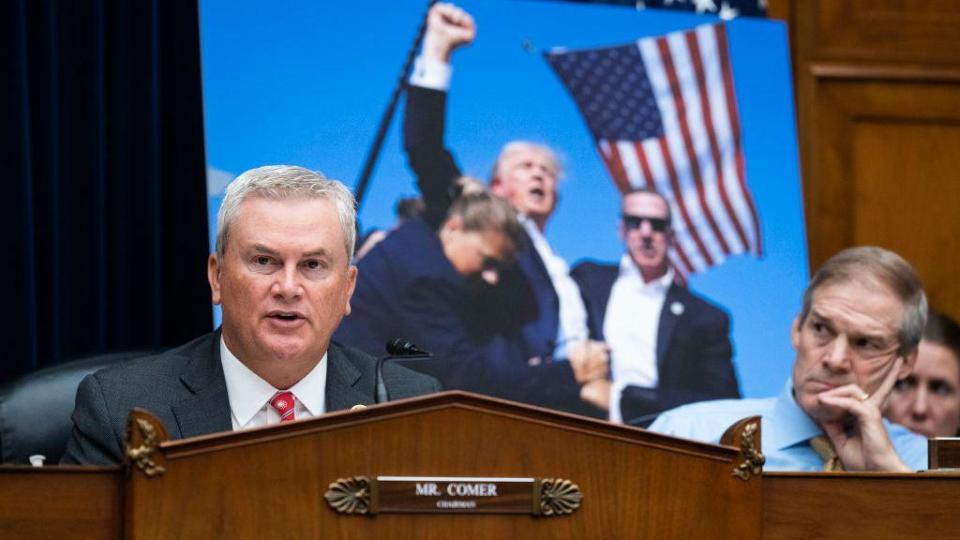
[105,199]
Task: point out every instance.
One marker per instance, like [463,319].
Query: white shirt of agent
[250,395]
[631,325]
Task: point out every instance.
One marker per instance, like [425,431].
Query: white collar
[248,392]
[629,270]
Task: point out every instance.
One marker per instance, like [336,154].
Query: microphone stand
[397,348]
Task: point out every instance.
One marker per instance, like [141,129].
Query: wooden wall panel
[878,102]
[881,30]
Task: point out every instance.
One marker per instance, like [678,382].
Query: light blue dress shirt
[785,430]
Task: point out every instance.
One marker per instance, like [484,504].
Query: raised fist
[448,27]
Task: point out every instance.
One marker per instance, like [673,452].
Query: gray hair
[513,147]
[651,191]
[278,182]
[886,268]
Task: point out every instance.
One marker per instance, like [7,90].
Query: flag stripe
[694,48]
[693,165]
[630,164]
[644,166]
[651,150]
[721,124]
[687,76]
[675,182]
[674,156]
[721,38]
[719,120]
[614,164]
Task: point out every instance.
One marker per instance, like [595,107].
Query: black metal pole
[371,161]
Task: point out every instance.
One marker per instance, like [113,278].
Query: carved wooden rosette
[145,432]
[558,497]
[350,495]
[745,435]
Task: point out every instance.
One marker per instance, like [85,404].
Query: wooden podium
[458,465]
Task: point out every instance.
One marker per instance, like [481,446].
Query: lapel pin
[676,308]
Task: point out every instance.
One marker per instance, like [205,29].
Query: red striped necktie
[284,403]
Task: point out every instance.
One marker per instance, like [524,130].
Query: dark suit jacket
[185,388]
[481,339]
[407,288]
[526,288]
[693,348]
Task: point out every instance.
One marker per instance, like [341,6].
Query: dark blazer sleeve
[497,365]
[595,282]
[436,313]
[423,140]
[470,356]
[93,441]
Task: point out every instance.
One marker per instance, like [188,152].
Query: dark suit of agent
[669,346]
[693,348]
[282,273]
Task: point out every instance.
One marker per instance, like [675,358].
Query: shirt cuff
[616,390]
[432,74]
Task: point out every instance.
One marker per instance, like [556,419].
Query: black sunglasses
[633,223]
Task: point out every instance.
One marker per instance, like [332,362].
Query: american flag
[663,113]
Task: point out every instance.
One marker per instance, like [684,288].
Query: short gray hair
[513,147]
[886,268]
[650,191]
[278,182]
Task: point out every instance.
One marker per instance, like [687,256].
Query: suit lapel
[607,277]
[343,382]
[207,409]
[668,321]
[534,271]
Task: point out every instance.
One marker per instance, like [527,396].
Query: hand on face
[849,336]
[848,348]
[448,27]
[857,432]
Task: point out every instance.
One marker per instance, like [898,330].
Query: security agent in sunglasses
[668,346]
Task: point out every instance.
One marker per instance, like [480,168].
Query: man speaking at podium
[862,318]
[282,273]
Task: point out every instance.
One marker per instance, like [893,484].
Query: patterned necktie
[824,448]
[283,402]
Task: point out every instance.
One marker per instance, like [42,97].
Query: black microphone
[397,348]
[403,347]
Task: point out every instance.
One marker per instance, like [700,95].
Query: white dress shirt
[573,314]
[432,74]
[630,326]
[250,395]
